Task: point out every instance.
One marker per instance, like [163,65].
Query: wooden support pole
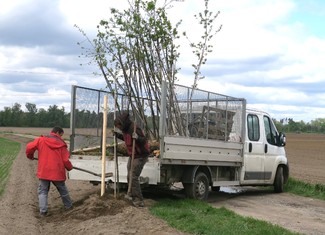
[132,160]
[116,179]
[104,147]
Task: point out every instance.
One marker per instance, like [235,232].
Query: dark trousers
[138,164]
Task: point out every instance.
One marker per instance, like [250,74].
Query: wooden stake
[132,160]
[116,180]
[104,147]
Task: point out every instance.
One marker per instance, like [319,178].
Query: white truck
[225,144]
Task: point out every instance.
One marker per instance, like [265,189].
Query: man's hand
[113,132]
[31,156]
[134,136]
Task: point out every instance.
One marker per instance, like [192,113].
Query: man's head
[123,121]
[57,130]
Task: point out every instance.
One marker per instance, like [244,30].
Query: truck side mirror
[282,139]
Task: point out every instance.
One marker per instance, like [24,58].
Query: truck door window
[270,131]
[253,127]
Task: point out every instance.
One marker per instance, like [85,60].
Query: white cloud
[87,14]
[261,54]
[8,6]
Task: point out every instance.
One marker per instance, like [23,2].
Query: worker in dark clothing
[141,153]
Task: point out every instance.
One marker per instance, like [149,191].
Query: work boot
[128,197]
[138,203]
[43,214]
[69,208]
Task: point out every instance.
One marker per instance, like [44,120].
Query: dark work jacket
[141,143]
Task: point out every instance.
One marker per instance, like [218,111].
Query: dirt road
[95,215]
[298,214]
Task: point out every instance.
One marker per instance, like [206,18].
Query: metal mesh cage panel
[210,115]
[191,113]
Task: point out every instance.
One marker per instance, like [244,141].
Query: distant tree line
[54,116]
[15,117]
[287,125]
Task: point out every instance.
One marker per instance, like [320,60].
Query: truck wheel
[199,189]
[279,180]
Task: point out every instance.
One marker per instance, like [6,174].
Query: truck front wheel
[199,189]
[279,180]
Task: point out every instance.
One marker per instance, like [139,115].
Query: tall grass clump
[8,152]
[305,189]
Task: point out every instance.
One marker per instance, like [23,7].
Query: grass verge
[197,217]
[8,152]
[305,189]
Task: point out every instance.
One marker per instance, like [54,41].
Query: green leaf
[150,6]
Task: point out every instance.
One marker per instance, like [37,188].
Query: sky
[270,52]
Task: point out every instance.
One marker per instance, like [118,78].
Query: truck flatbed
[190,151]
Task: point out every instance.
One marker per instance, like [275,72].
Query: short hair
[122,118]
[57,129]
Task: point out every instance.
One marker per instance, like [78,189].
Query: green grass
[305,189]
[197,217]
[8,152]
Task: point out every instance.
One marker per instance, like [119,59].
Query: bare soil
[93,214]
[306,155]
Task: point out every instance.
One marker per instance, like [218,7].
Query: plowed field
[306,154]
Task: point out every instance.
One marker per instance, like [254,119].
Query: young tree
[135,50]
[203,47]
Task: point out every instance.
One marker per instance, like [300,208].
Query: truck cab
[265,160]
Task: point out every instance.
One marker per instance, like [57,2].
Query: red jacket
[53,157]
[141,145]
[142,148]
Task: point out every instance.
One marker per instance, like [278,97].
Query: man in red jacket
[53,161]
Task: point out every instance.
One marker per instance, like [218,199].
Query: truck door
[271,147]
[254,152]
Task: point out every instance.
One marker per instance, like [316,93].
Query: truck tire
[279,180]
[199,189]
